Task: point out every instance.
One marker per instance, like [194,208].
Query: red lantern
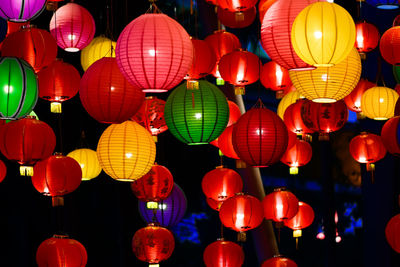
[367,37]
[390,136]
[16,26]
[298,155]
[279,261]
[239,20]
[260,137]
[396,21]
[35,46]
[234,113]
[153,244]
[303,219]
[223,253]
[154,53]
[280,205]
[3,171]
[61,251]
[106,95]
[353,100]
[204,60]
[155,186]
[236,5]
[263,7]
[392,233]
[275,77]
[221,183]
[225,143]
[57,83]
[390,46]
[293,119]
[27,141]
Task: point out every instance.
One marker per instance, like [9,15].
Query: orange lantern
[293,119]
[280,205]
[296,156]
[222,253]
[275,77]
[390,45]
[353,100]
[221,183]
[367,37]
[303,219]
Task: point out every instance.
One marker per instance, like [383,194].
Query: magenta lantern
[21,10]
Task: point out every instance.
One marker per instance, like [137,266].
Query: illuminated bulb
[128,155]
[338,239]
[152,52]
[360,41]
[162,206]
[82,165]
[318,34]
[321,236]
[112,88]
[324,77]
[8,89]
[240,216]
[197,116]
[279,75]
[381,100]
[71,36]
[357,104]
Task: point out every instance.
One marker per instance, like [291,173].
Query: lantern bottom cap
[124,179]
[71,49]
[324,65]
[304,68]
[387,6]
[380,118]
[324,100]
[197,143]
[151,90]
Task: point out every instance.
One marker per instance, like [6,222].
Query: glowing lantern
[60,251]
[286,101]
[204,60]
[221,183]
[88,161]
[98,48]
[296,156]
[236,5]
[225,144]
[367,37]
[260,137]
[323,34]
[35,46]
[196,116]
[126,151]
[279,261]
[3,171]
[239,20]
[27,141]
[353,100]
[275,77]
[390,136]
[384,4]
[303,219]
[280,205]
[263,7]
[222,253]
[234,113]
[21,11]
[57,83]
[390,45]
[392,233]
[293,119]
[378,103]
[153,187]
[106,95]
[329,84]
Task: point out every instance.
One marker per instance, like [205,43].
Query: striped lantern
[378,103]
[98,48]
[88,161]
[21,10]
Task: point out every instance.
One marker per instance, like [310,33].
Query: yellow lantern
[126,151]
[323,34]
[98,48]
[378,103]
[286,101]
[88,161]
[329,84]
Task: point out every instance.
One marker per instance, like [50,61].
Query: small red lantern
[367,37]
[3,171]
[392,232]
[275,77]
[57,83]
[236,5]
[225,143]
[204,60]
[279,261]
[153,244]
[390,136]
[390,45]
[303,219]
[353,100]
[280,205]
[155,186]
[293,119]
[238,20]
[61,251]
[222,253]
[221,183]
[296,156]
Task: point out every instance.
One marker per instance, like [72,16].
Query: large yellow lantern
[286,101]
[88,161]
[329,84]
[98,48]
[323,34]
[378,103]
[126,151]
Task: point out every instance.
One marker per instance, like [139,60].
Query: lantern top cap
[60,236]
[28,26]
[220,167]
[280,189]
[57,154]
[153,224]
[219,31]
[221,239]
[240,194]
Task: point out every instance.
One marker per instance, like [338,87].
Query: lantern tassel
[26,170]
[241,237]
[57,201]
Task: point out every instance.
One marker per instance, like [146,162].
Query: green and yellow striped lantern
[98,48]
[198,115]
[18,88]
[88,161]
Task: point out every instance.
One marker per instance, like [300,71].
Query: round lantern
[275,77]
[88,161]
[57,83]
[329,84]
[293,118]
[154,53]
[367,37]
[279,261]
[27,141]
[61,251]
[384,4]
[153,244]
[106,95]
[204,60]
[323,34]
[169,212]
[260,137]
[126,151]
[296,156]
[35,46]
[196,116]
[390,136]
[392,233]
[222,253]
[221,183]
[378,103]
[286,101]
[353,100]
[263,7]
[98,48]
[390,45]
[280,205]
[3,171]
[303,219]
[225,144]
[20,93]
[72,26]
[237,5]
[21,11]
[239,20]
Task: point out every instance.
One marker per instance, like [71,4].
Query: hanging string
[196,21]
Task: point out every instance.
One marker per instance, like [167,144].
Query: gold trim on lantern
[57,201]
[152,205]
[297,233]
[294,170]
[241,237]
[26,170]
[239,90]
[55,107]
[220,81]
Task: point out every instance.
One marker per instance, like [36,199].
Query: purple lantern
[21,10]
[170,210]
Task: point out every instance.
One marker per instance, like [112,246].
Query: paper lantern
[98,48]
[236,5]
[263,6]
[20,92]
[323,34]
[225,144]
[72,26]
[238,20]
[196,116]
[286,101]
[35,46]
[390,45]
[223,253]
[204,60]
[154,53]
[221,183]
[303,219]
[126,151]
[353,100]
[61,251]
[279,261]
[21,11]
[298,155]
[384,4]
[390,136]
[88,161]
[275,77]
[367,37]
[293,118]
[3,171]
[329,84]
[392,233]
[260,137]
[280,205]
[106,95]
[378,103]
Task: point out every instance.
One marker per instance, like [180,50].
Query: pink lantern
[20,10]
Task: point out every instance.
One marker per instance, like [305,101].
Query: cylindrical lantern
[225,144]
[390,136]
[204,60]
[88,161]
[303,218]
[378,103]
[279,261]
[293,119]
[353,100]
[384,4]
[106,95]
[126,151]
[392,233]
[98,48]
[280,205]
[239,20]
[275,77]
[72,26]
[286,101]
[298,155]
[323,34]
[223,253]
[154,52]
[390,45]
[221,183]
[237,5]
[367,37]
[21,11]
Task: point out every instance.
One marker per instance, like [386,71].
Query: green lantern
[196,116]
[396,73]
[18,88]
